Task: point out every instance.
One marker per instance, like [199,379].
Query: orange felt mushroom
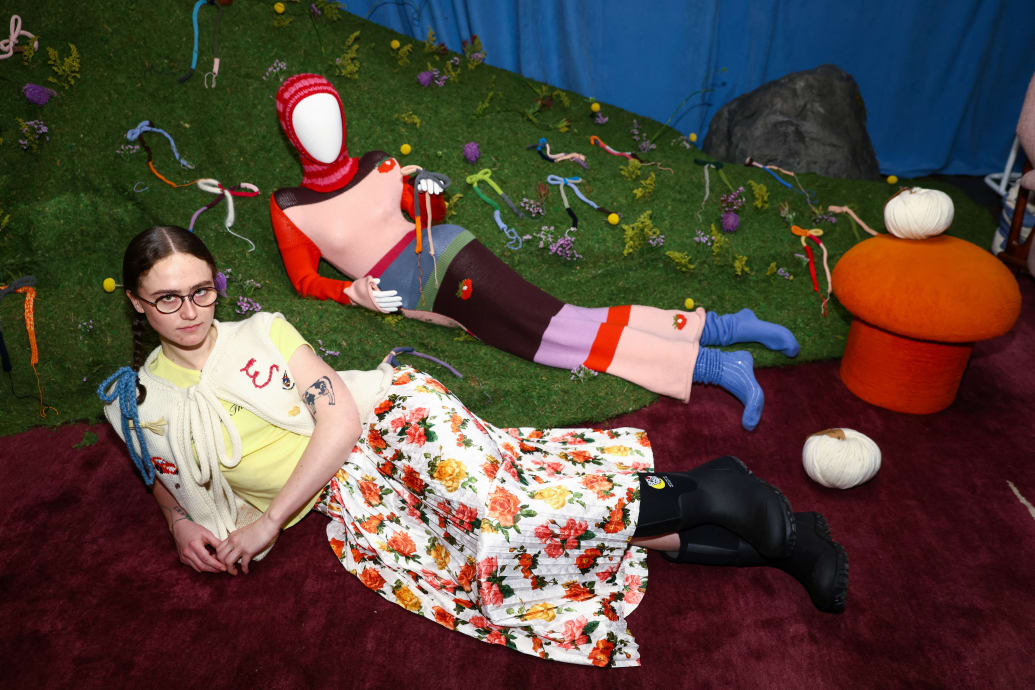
[919,306]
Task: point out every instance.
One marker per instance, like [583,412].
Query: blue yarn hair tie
[125,380]
[144,127]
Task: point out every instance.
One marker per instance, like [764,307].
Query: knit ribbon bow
[814,235]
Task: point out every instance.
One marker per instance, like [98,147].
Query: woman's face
[176,274]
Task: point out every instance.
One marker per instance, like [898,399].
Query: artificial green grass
[73,204]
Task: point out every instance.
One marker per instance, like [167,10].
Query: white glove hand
[386,301]
[429,186]
[431,182]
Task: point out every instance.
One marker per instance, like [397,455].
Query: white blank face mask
[317,124]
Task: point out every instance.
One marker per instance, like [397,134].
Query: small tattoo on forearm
[321,388]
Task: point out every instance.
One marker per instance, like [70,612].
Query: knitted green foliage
[761,195]
[409,118]
[329,9]
[631,170]
[638,233]
[740,266]
[402,56]
[282,20]
[720,243]
[452,205]
[483,106]
[347,65]
[646,188]
[451,68]
[681,260]
[474,52]
[66,70]
[29,51]
[429,42]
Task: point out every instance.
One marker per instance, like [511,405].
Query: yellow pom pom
[279,8]
[405,149]
[689,303]
[595,107]
[108,285]
[892,179]
[693,136]
[395,44]
[613,218]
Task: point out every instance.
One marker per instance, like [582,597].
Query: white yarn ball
[840,458]
[918,213]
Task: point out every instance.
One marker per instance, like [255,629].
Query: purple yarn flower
[425,77]
[36,94]
[220,282]
[730,221]
[471,152]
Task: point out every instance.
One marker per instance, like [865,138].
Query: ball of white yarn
[840,458]
[918,213]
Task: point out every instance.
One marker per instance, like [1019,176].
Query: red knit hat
[321,177]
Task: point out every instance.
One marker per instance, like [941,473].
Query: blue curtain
[943,80]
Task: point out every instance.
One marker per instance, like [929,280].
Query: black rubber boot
[818,562]
[720,492]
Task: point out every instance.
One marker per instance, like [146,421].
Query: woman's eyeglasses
[171,303]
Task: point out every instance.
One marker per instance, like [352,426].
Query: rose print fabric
[518,537]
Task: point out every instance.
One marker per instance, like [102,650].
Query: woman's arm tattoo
[176,513]
[321,388]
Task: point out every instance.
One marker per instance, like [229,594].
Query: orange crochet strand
[34,355]
[151,165]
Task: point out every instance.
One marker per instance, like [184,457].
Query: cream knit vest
[183,427]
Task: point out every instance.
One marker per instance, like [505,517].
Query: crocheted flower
[678,321]
[36,94]
[425,78]
[465,290]
[220,283]
[471,152]
[730,221]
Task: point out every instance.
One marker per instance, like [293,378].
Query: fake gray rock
[811,121]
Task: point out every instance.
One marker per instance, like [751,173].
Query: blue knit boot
[745,327]
[733,371]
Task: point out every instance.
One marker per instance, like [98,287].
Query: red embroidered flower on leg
[466,289]
[678,321]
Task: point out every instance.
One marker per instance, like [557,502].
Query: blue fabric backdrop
[943,80]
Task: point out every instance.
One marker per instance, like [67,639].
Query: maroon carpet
[942,565]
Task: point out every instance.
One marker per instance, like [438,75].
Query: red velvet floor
[942,565]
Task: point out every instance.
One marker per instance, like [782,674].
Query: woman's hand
[244,543]
[192,542]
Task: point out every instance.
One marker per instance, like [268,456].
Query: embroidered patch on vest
[654,481]
[163,466]
[254,375]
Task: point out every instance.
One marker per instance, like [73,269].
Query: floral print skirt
[518,537]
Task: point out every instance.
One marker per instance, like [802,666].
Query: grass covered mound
[71,197]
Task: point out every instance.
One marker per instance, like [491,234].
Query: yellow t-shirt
[268,453]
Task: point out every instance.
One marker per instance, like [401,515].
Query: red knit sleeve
[438,204]
[301,258]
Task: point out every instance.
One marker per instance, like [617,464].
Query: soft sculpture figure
[351,212]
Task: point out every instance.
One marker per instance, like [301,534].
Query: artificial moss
[75,201]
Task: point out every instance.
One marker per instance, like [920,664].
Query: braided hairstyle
[143,252]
